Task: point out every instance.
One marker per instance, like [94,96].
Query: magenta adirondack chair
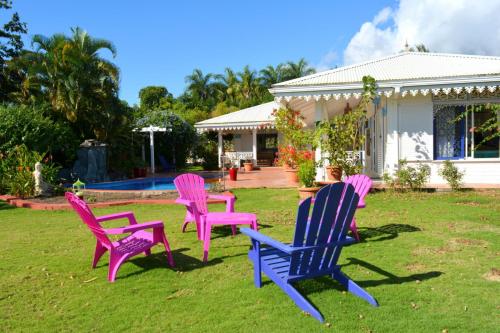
[192,194]
[138,241]
[362,185]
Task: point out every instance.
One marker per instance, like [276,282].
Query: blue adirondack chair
[317,244]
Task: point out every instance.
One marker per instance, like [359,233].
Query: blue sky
[160,42]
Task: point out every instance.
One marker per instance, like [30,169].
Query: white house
[413,118]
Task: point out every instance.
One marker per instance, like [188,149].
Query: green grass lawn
[431,261]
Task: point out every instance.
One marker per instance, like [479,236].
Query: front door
[267,147]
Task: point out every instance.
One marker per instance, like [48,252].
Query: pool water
[136,184]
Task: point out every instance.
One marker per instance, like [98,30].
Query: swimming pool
[145,184]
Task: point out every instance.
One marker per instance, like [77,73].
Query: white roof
[404,66]
[259,116]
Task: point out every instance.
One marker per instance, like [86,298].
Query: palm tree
[229,86]
[296,70]
[250,83]
[199,85]
[78,82]
[271,75]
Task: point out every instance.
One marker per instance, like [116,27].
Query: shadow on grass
[4,205]
[325,283]
[385,232]
[183,263]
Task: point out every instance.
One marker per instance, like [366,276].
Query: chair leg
[206,242]
[354,229]
[257,271]
[99,251]
[233,228]
[254,225]
[302,302]
[184,226]
[115,261]
[167,249]
[353,288]
[147,252]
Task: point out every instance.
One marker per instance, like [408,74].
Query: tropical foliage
[344,133]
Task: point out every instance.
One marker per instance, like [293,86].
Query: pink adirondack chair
[362,185]
[138,241]
[192,194]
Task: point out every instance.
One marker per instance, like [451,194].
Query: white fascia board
[381,85]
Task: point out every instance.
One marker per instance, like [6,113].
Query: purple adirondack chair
[192,194]
[362,185]
[138,241]
[319,238]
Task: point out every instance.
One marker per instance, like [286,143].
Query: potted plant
[344,133]
[248,165]
[307,176]
[233,173]
[290,123]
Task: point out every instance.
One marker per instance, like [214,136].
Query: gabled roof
[254,117]
[402,67]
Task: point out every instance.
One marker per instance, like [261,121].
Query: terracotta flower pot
[292,176]
[248,166]
[334,173]
[308,192]
[285,166]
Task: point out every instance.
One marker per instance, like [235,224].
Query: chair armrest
[220,197]
[227,198]
[128,215]
[185,202]
[267,240]
[134,228]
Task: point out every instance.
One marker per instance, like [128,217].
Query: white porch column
[254,146]
[152,149]
[320,113]
[219,148]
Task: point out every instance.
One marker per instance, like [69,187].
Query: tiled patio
[273,177]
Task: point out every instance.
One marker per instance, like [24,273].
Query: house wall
[485,171]
[410,136]
[244,142]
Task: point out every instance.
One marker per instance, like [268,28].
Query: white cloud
[451,26]
[327,61]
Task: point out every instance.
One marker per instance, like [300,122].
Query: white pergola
[151,130]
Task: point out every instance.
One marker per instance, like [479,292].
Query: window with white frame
[466,131]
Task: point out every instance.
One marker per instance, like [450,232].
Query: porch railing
[234,157]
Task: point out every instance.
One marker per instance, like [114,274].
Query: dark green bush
[29,126]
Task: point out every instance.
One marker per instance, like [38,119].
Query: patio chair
[362,185]
[138,241]
[165,165]
[315,249]
[192,194]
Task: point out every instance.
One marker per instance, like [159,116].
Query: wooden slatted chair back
[362,185]
[192,187]
[328,221]
[83,210]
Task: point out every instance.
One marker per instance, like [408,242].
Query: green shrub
[16,171]
[408,177]
[307,173]
[451,174]
[31,127]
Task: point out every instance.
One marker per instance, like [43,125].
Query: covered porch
[245,135]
